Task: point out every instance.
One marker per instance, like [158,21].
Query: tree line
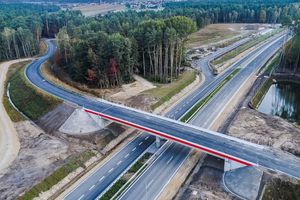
[107,50]
[23,25]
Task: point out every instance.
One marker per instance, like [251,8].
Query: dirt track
[9,141]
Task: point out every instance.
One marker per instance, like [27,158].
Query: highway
[150,184]
[151,123]
[91,187]
[98,182]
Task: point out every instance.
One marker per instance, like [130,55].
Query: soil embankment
[9,142]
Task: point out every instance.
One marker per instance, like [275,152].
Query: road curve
[215,142]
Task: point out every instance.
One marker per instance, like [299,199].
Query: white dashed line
[101,178]
[170,160]
[140,143]
[92,187]
[119,162]
[110,170]
[134,149]
[127,155]
[147,138]
[81,197]
[150,182]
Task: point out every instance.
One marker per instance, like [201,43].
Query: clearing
[90,10]
[217,33]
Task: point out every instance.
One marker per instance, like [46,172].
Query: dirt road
[9,141]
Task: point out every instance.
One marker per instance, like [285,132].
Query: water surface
[283,100]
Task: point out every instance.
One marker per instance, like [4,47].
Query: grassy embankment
[28,99]
[123,183]
[268,68]
[206,99]
[60,173]
[14,115]
[235,52]
[165,92]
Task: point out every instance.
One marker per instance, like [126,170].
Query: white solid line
[92,187]
[140,143]
[119,162]
[110,170]
[134,149]
[81,197]
[127,155]
[101,178]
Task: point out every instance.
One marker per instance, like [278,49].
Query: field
[95,9]
[217,32]
[166,92]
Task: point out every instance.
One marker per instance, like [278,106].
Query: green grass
[205,100]
[166,92]
[261,93]
[273,65]
[14,115]
[235,52]
[116,188]
[28,99]
[74,163]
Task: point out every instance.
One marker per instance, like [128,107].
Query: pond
[283,100]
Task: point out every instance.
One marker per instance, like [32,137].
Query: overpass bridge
[229,148]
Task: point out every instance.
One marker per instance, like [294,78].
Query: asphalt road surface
[151,182]
[100,181]
[212,142]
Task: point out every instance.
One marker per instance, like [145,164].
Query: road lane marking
[134,149]
[91,187]
[150,182]
[140,143]
[170,160]
[147,138]
[127,155]
[110,170]
[81,197]
[101,178]
[119,162]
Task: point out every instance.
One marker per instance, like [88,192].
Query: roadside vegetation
[279,189]
[14,115]
[59,174]
[165,92]
[237,51]
[207,98]
[28,99]
[116,190]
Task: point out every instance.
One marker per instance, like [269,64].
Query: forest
[23,25]
[290,59]
[106,51]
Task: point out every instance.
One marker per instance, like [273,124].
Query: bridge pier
[158,142]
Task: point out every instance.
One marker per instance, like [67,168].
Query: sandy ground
[133,89]
[260,128]
[39,155]
[9,141]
